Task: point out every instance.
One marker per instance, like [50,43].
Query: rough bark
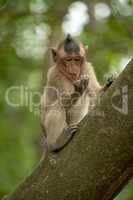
[98,161]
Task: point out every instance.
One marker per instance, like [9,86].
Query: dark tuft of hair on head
[71,45]
[68,38]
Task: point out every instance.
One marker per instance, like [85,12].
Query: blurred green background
[27,29]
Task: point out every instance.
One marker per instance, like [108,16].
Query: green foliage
[27,28]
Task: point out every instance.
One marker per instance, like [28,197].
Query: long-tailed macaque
[71,85]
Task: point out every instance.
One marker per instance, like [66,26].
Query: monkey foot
[72,129]
[68,135]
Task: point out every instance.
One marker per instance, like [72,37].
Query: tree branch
[98,161]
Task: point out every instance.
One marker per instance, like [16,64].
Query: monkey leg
[57,131]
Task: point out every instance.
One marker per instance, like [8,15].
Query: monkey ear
[54,54]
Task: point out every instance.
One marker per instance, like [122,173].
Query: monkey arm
[94,86]
[68,100]
[80,87]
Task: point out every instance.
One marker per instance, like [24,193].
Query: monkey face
[71,65]
[69,57]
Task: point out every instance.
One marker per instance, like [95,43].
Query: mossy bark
[98,161]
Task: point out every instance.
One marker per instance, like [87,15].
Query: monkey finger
[77,83]
[84,84]
[111,79]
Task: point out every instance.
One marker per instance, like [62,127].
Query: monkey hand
[110,80]
[81,84]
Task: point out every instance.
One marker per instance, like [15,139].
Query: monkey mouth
[73,75]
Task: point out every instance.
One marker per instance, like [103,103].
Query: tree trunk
[98,161]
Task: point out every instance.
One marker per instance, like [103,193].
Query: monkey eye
[77,59]
[68,59]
